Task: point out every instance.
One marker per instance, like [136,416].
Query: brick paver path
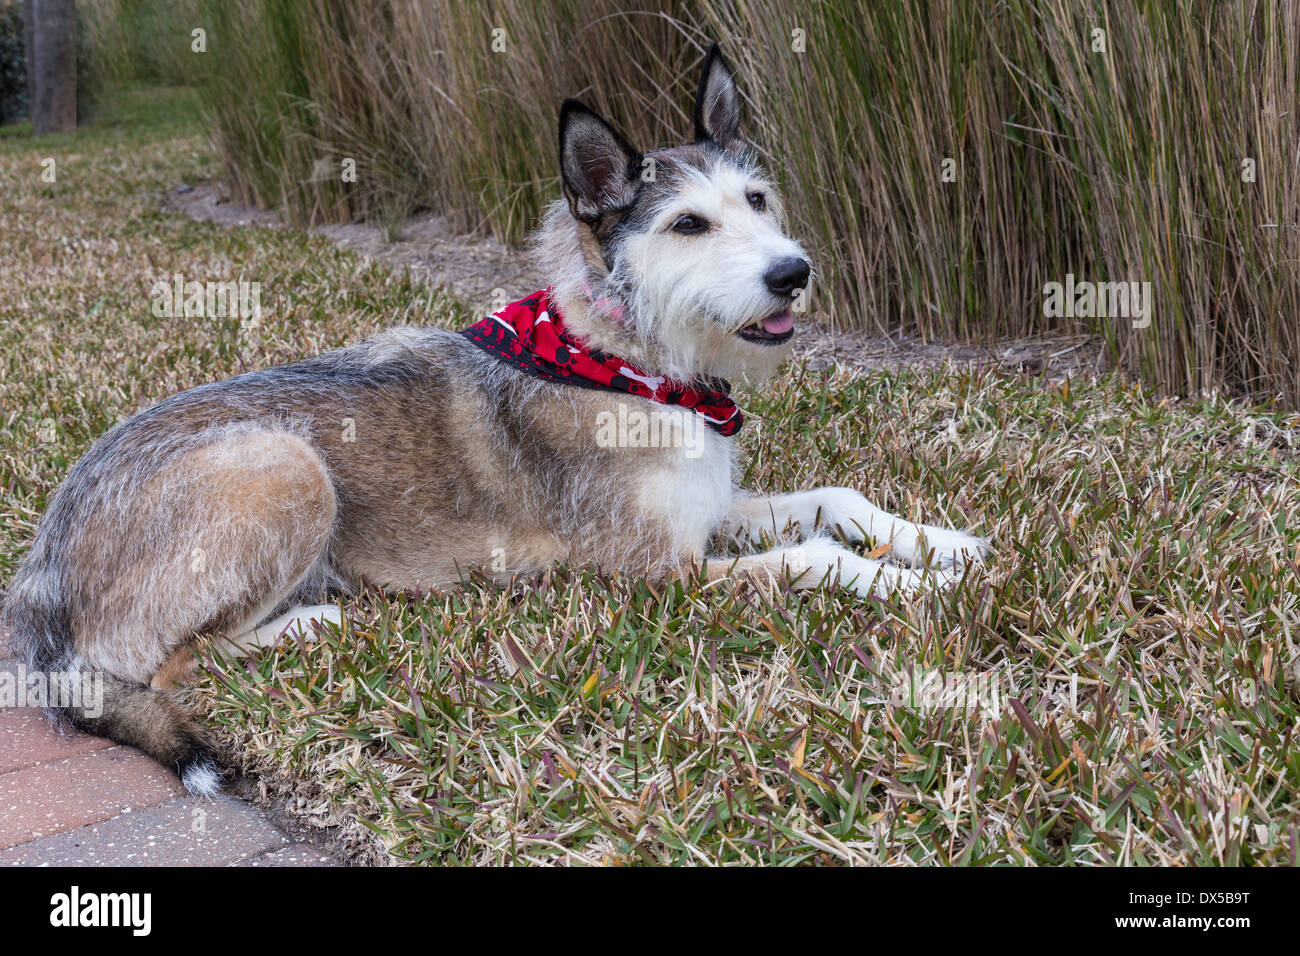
[82,800]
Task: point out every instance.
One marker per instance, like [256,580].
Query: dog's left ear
[717,105]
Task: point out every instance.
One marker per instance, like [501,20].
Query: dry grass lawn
[1116,686]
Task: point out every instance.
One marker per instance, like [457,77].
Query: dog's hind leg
[213,542]
[182,667]
[298,621]
[858,520]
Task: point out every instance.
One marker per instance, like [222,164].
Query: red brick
[50,798]
[187,831]
[26,739]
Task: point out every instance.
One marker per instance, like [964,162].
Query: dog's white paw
[858,520]
[297,623]
[846,511]
[950,550]
[816,560]
[820,560]
[911,580]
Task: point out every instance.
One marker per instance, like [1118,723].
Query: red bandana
[529,334]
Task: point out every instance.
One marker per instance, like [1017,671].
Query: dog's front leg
[820,559]
[857,519]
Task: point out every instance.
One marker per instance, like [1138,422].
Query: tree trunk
[29,44]
[50,27]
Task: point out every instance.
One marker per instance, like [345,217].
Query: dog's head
[677,257]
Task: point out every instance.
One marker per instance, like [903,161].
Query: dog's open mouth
[773,330]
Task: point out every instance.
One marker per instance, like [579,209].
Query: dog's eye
[758,201]
[689,225]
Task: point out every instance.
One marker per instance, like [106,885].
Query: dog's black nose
[785,275]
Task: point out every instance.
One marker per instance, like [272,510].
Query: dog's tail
[96,702]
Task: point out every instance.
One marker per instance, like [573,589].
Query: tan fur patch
[210,542]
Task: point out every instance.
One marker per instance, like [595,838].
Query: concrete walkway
[85,801]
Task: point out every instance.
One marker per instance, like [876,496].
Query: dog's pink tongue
[778,324]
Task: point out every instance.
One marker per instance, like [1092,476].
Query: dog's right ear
[600,168]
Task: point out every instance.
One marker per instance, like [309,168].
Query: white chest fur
[689,489]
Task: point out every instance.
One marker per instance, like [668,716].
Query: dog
[511,446]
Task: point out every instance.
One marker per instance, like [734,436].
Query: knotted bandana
[529,335]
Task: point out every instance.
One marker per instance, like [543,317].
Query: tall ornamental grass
[946,159]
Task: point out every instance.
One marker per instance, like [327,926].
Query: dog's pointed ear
[600,168]
[717,105]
